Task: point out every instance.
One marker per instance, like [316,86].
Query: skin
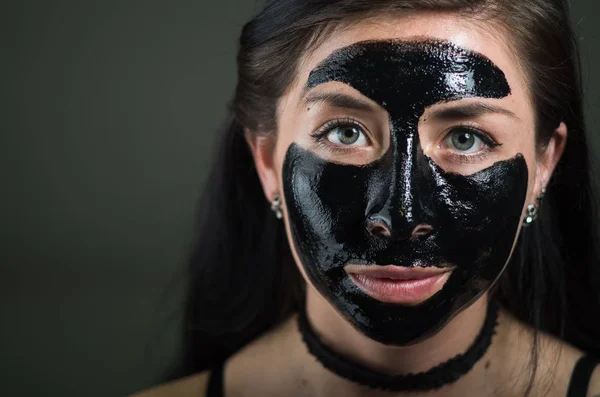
[335,209]
[285,367]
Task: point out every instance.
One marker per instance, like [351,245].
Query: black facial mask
[474,218]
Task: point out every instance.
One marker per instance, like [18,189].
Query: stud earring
[276,206]
[541,196]
[532,210]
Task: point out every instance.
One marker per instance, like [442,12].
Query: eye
[347,135]
[466,140]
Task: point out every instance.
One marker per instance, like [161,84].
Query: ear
[263,151]
[547,160]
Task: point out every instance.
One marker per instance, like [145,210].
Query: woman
[426,171]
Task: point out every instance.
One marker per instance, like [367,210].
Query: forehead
[411,73]
[485,39]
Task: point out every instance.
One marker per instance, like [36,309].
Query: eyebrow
[470,110]
[338,100]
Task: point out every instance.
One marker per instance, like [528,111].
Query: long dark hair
[242,279]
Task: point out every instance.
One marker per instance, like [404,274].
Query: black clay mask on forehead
[473,219]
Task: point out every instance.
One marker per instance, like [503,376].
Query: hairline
[485,17]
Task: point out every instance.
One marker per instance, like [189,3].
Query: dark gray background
[109,109]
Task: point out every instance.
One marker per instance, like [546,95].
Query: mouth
[398,284]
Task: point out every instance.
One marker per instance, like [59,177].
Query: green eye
[464,140]
[346,135]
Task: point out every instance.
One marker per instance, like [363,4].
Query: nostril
[421,231]
[378,228]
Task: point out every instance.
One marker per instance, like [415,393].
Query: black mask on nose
[332,207]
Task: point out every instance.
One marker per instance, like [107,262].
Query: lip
[397,284]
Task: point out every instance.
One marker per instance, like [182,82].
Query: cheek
[278,164]
[278,160]
[530,158]
[523,141]
[285,137]
[291,128]
[290,239]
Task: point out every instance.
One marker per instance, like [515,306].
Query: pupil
[463,141]
[348,135]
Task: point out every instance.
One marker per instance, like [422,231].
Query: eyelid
[471,158]
[476,130]
[326,128]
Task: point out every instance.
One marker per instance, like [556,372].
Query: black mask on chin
[474,218]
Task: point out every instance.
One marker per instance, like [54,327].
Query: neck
[455,338]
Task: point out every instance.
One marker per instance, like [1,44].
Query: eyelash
[324,130]
[490,143]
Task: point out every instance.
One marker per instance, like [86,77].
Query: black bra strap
[580,379]
[215,382]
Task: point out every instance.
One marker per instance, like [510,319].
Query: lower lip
[408,292]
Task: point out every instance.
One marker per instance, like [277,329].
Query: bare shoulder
[190,386]
[568,356]
[240,367]
[555,359]
[594,387]
[557,362]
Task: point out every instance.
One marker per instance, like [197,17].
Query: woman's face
[405,143]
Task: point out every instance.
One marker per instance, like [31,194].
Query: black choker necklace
[438,376]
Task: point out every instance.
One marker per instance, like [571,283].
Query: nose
[381,226]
